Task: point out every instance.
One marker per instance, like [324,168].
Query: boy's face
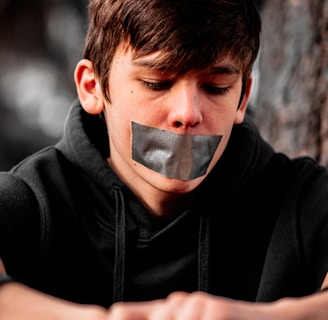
[199,102]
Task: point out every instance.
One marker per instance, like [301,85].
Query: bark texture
[291,105]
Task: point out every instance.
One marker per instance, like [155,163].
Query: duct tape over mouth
[176,156]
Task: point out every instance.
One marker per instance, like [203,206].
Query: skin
[184,106]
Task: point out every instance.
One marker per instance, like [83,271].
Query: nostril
[178,124]
[194,125]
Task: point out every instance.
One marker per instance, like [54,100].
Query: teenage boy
[161,201]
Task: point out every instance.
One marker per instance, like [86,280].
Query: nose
[185,108]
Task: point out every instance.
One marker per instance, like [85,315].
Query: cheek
[120,138]
[118,123]
[221,121]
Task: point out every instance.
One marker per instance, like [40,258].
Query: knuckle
[198,296]
[177,296]
[117,310]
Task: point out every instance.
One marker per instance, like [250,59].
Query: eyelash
[157,86]
[165,85]
[216,90]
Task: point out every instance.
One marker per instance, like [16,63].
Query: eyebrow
[213,70]
[149,64]
[224,69]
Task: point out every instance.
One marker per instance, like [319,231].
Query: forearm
[18,302]
[314,307]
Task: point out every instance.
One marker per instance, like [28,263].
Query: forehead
[160,60]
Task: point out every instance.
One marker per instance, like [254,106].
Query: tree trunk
[291,105]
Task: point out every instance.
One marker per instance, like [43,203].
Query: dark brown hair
[191,34]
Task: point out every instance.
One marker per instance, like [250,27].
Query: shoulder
[305,193]
[41,168]
[14,192]
[22,188]
[44,158]
[31,188]
[304,179]
[299,171]
[306,174]
[19,210]
[310,181]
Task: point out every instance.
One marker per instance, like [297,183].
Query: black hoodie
[256,229]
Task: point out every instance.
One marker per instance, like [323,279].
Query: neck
[159,203]
[165,205]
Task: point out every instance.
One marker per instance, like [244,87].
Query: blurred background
[42,40]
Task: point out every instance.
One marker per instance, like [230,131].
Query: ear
[88,87]
[240,114]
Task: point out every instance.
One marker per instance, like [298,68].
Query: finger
[169,308]
[192,308]
[132,310]
[177,306]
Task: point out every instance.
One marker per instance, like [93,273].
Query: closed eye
[157,86]
[216,90]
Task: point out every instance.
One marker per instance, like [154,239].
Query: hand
[202,306]
[194,306]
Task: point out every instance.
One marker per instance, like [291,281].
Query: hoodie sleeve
[313,222]
[19,226]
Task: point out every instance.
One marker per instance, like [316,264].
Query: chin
[177,186]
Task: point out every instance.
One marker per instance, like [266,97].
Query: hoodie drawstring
[120,247]
[203,254]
